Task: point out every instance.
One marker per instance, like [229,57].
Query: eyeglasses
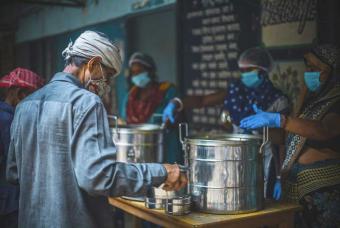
[108,72]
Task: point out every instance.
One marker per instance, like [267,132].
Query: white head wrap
[90,44]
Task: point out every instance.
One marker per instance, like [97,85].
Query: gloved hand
[169,113]
[261,119]
[277,190]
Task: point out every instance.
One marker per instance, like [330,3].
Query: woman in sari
[312,164]
[147,99]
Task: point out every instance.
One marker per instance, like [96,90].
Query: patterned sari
[315,186]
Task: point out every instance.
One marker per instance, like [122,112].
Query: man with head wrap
[312,162]
[253,87]
[64,157]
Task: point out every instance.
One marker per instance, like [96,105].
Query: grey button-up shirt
[62,155]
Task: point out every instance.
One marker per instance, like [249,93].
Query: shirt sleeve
[12,174]
[95,167]
[123,109]
[5,125]
[281,105]
[169,95]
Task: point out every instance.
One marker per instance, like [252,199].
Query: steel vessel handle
[265,138]
[115,118]
[180,127]
[186,153]
[156,115]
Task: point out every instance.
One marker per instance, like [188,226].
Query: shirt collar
[66,77]
[6,107]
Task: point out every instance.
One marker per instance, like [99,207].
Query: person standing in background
[253,87]
[14,87]
[312,163]
[147,99]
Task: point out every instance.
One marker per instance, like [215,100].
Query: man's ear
[93,63]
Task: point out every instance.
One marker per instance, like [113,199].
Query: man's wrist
[158,173]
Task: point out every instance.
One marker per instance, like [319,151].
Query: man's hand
[175,180]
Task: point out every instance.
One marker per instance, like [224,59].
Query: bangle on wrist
[180,108]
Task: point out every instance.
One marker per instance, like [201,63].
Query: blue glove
[168,112]
[261,119]
[277,190]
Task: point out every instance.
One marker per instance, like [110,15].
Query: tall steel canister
[139,143]
[226,174]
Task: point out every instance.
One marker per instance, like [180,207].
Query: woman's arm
[323,130]
[281,105]
[190,102]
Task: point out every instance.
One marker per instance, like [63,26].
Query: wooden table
[275,213]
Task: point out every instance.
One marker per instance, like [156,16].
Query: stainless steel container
[138,143]
[226,174]
[178,206]
[154,203]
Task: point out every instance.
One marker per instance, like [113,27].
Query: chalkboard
[212,34]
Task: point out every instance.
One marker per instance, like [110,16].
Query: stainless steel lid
[181,200]
[222,139]
[138,128]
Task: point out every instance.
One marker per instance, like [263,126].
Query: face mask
[312,81]
[251,79]
[141,80]
[100,86]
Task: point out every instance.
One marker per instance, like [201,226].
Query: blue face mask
[141,80]
[312,81]
[251,79]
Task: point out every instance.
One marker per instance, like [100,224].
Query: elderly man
[64,158]
[14,87]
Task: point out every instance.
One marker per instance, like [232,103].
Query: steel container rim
[140,144]
[137,129]
[222,139]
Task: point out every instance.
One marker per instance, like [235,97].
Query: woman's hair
[4,92]
[151,72]
[147,62]
[256,57]
[329,55]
